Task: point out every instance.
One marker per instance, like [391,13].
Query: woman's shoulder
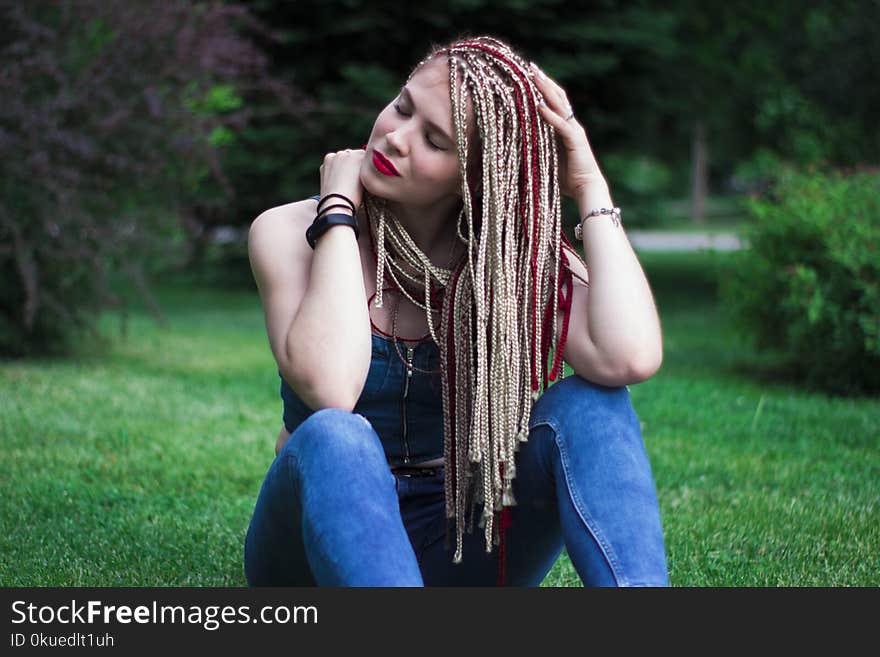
[277,245]
[275,232]
[287,217]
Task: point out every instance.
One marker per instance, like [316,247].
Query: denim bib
[406,410]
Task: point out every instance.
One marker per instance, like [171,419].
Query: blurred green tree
[111,121]
[696,89]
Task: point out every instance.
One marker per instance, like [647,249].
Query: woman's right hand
[340,174]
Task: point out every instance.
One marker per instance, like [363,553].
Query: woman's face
[416,134]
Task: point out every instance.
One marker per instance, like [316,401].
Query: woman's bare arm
[314,305]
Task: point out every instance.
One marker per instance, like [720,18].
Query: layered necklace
[388,267]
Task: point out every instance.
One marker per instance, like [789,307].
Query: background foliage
[809,286]
[786,78]
[112,118]
[137,135]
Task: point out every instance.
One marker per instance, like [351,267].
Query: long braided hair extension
[499,305]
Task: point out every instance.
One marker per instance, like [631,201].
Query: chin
[369,180]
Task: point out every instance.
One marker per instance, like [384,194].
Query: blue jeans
[331,513]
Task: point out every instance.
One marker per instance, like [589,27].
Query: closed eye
[432,145]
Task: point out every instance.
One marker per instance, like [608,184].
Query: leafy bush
[809,286]
[112,114]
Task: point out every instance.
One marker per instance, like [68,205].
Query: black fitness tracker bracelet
[323,223]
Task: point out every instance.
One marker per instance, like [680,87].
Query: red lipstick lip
[384,162]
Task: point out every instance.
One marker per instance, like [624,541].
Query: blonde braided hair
[500,305]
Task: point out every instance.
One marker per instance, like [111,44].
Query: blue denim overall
[335,510]
[405,411]
[331,512]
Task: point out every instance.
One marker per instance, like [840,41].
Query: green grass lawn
[138,463]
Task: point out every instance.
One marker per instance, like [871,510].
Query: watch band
[325,222]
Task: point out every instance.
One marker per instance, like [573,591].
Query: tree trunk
[699,173]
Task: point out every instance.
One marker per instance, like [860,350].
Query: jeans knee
[337,434]
[575,399]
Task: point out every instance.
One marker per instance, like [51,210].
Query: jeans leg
[533,542]
[605,488]
[328,512]
[583,481]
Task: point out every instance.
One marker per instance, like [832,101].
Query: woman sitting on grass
[414,309]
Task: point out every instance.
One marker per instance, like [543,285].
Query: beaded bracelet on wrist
[615,216]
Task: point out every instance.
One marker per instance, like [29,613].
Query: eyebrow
[436,127]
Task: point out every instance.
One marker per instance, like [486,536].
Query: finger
[553,117]
[553,107]
[550,82]
[557,105]
[554,94]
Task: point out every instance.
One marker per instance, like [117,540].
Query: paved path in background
[653,240]
[642,240]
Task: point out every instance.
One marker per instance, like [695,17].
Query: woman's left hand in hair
[578,168]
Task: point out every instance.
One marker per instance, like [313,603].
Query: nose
[398,141]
